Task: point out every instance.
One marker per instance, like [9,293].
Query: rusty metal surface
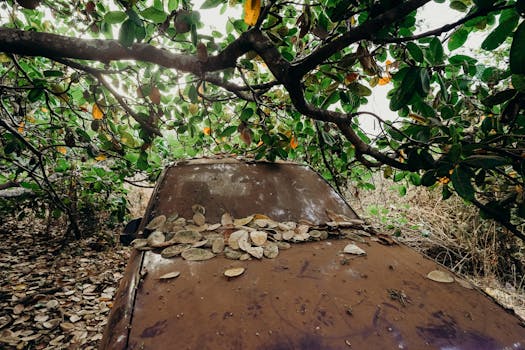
[310,297]
[283,191]
[116,332]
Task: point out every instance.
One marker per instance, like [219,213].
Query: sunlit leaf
[208,4]
[153,14]
[96,112]
[113,17]
[252,9]
[457,39]
[293,142]
[383,81]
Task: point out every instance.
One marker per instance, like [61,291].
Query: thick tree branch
[9,184]
[56,46]
[365,149]
[240,91]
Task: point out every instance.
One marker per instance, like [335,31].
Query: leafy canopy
[96,91]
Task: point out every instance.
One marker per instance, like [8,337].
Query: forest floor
[55,296]
[58,296]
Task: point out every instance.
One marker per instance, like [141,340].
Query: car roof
[310,297]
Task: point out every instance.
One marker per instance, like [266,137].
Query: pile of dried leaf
[54,296]
[254,236]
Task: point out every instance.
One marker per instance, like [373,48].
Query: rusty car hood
[309,297]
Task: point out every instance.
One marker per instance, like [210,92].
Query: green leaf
[499,97]
[142,161]
[405,91]
[29,185]
[415,179]
[423,85]
[208,4]
[113,17]
[436,51]
[517,51]
[508,21]
[154,15]
[53,73]
[521,210]
[457,39]
[415,52]
[246,114]
[62,165]
[229,131]
[460,59]
[485,161]
[172,5]
[359,89]
[192,94]
[483,4]
[462,185]
[429,178]
[35,94]
[458,6]
[447,112]
[518,82]
[520,7]
[446,193]
[127,33]
[140,32]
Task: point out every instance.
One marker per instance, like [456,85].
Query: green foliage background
[461,123]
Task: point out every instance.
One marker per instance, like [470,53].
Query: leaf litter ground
[54,296]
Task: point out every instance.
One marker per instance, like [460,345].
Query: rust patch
[157,329]
[444,332]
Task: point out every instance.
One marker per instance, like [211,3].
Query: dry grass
[452,233]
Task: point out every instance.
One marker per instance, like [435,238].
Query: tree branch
[49,45]
[445,28]
[364,31]
[100,77]
[495,214]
